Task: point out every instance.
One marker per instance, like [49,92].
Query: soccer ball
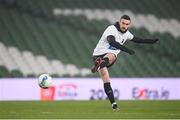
[45,81]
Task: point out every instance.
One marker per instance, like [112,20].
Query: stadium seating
[34,41]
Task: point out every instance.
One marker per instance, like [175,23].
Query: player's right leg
[103,61]
[97,64]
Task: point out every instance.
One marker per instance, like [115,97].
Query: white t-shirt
[104,47]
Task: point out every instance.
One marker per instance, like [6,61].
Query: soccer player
[107,49]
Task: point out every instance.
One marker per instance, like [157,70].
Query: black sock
[109,92]
[105,62]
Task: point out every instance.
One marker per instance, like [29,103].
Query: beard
[123,30]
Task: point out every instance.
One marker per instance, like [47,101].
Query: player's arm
[114,43]
[141,40]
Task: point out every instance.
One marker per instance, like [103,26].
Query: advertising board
[90,89]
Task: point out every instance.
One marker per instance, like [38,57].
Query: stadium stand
[34,40]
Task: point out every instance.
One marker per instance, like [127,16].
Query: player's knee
[111,58]
[104,73]
[105,62]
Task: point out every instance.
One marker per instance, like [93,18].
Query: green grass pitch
[89,110]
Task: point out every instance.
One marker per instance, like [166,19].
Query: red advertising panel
[48,94]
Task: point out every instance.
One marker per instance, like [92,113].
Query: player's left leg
[104,74]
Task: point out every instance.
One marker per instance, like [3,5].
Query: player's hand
[131,52]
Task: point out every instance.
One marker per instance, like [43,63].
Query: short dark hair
[125,17]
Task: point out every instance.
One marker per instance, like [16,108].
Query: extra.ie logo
[148,94]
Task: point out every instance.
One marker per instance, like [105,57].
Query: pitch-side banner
[91,89]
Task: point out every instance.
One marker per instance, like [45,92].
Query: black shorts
[101,56]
